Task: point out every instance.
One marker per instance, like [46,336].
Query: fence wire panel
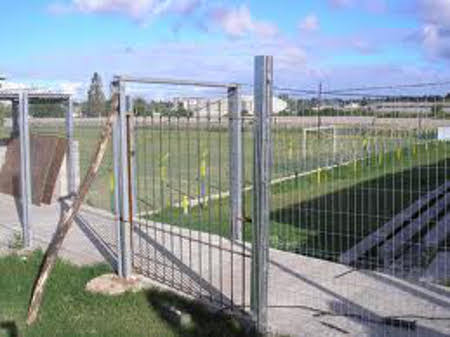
[96,220]
[182,188]
[99,208]
[8,236]
[48,148]
[360,194]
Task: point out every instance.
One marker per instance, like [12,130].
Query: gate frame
[20,100]
[125,189]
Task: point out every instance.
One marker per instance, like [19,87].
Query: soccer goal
[315,137]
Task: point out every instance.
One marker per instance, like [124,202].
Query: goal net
[319,141]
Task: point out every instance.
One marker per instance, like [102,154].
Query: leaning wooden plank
[66,220]
[377,237]
[393,247]
[53,171]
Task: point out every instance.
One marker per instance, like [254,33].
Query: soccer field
[176,163]
[327,193]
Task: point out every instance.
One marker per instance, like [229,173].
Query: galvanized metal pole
[25,172]
[130,110]
[71,182]
[125,233]
[261,192]
[15,119]
[235,132]
[116,178]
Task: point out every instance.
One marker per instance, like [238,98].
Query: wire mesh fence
[182,188]
[367,189]
[61,150]
[358,237]
[352,171]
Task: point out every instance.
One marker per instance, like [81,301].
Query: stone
[113,285]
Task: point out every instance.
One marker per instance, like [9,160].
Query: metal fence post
[261,192]
[235,132]
[25,173]
[125,232]
[71,183]
[130,109]
[116,184]
[15,131]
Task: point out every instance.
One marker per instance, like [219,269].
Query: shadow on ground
[342,311]
[10,328]
[195,319]
[344,217]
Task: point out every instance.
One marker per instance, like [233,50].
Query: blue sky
[60,43]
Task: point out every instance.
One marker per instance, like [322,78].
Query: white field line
[201,200]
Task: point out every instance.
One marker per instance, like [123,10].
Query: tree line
[337,107]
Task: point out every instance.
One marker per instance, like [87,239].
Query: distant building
[407,108]
[215,107]
[352,106]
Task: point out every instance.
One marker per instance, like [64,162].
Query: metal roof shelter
[20,100]
[11,95]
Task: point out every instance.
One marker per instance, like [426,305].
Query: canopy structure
[35,96]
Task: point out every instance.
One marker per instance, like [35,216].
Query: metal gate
[185,163]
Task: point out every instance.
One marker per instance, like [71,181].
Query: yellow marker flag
[111,191]
[318,175]
[365,143]
[203,164]
[163,173]
[185,204]
[380,158]
[111,182]
[290,150]
[203,168]
[399,153]
[164,161]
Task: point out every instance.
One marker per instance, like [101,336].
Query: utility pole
[319,106]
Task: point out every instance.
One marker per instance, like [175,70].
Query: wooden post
[66,220]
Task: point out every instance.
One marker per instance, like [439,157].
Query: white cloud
[363,46]
[310,23]
[435,31]
[435,11]
[135,9]
[238,22]
[374,6]
[340,3]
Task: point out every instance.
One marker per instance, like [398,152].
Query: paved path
[308,297]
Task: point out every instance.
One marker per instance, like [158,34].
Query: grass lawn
[169,159]
[323,214]
[68,310]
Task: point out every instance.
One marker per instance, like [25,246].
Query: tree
[5,111]
[141,107]
[96,98]
[46,109]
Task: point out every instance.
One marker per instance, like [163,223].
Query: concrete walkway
[307,297]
